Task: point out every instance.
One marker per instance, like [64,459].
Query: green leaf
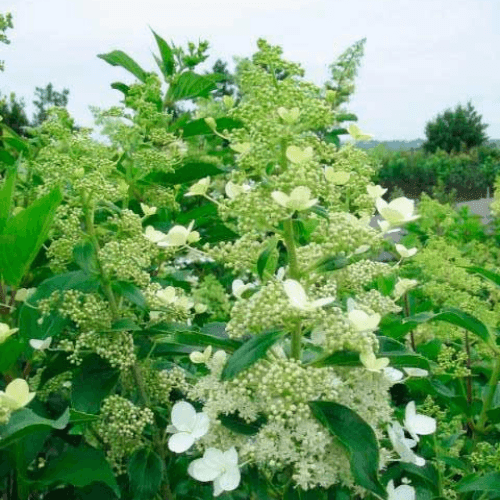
[80,417]
[24,235]
[266,257]
[332,263]
[79,467]
[92,382]
[121,87]
[250,352]
[24,422]
[145,472]
[125,324]
[197,339]
[240,426]
[167,56]
[357,437]
[473,482]
[6,194]
[119,58]
[489,275]
[190,85]
[200,127]
[187,173]
[85,257]
[131,292]
[399,356]
[6,157]
[455,317]
[339,358]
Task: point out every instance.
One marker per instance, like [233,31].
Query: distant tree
[48,97]
[226,86]
[5,24]
[13,113]
[455,130]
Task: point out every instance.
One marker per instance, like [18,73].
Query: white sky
[421,56]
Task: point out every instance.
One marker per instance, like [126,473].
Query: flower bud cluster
[452,362]
[115,347]
[355,276]
[121,428]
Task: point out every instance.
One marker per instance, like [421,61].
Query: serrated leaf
[145,472]
[131,292]
[167,65]
[473,482]
[190,85]
[6,195]
[119,58]
[79,467]
[187,173]
[265,256]
[489,275]
[200,127]
[85,257]
[240,426]
[121,87]
[455,317]
[25,421]
[357,437]
[24,235]
[250,352]
[91,383]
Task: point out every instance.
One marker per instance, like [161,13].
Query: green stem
[492,386]
[291,249]
[105,282]
[407,314]
[157,440]
[294,272]
[438,467]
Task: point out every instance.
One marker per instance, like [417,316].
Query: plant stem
[407,314]
[438,467]
[492,386]
[291,250]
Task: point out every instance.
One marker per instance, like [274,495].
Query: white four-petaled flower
[402,492]
[200,188]
[187,426]
[298,298]
[371,363]
[41,345]
[17,395]
[417,424]
[6,331]
[405,252]
[396,212]
[219,467]
[403,446]
[299,199]
[359,320]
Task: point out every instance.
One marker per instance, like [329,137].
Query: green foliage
[455,130]
[46,97]
[5,24]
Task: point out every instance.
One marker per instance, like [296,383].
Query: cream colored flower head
[338,178]
[16,395]
[179,236]
[398,211]
[23,294]
[405,252]
[402,286]
[361,321]
[147,210]
[200,188]
[289,116]
[6,331]
[234,190]
[297,155]
[375,191]
[198,357]
[371,363]
[166,296]
[299,199]
[298,297]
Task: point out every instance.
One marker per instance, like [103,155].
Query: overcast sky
[421,56]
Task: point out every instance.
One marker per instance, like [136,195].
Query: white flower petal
[230,479]
[184,416]
[416,372]
[201,426]
[295,293]
[203,470]
[280,198]
[180,442]
[231,456]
